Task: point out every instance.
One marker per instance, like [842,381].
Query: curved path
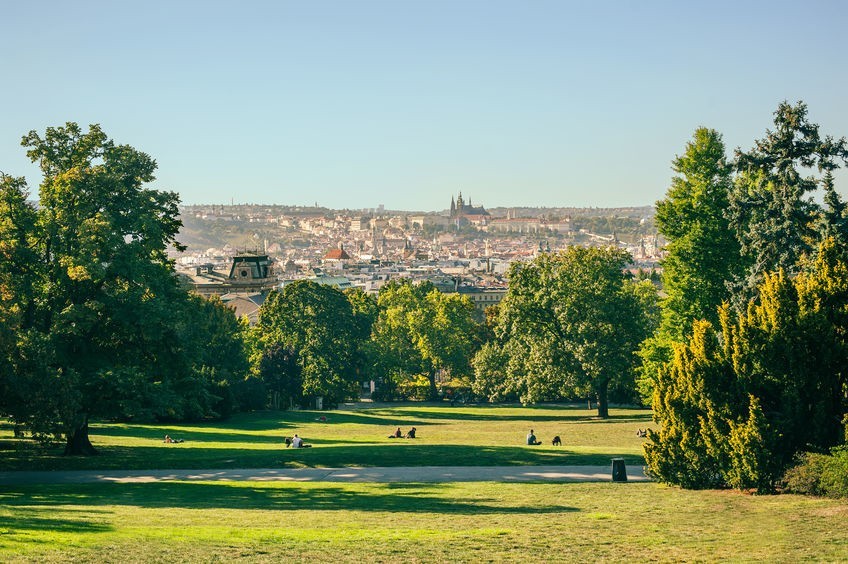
[382,474]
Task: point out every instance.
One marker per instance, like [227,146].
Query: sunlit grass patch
[461,436]
[191,521]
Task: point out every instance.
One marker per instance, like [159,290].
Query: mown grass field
[395,522]
[447,436]
[458,522]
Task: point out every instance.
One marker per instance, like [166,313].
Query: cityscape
[463,249]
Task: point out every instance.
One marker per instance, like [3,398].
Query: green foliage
[690,401]
[834,479]
[420,331]
[87,289]
[736,411]
[568,326]
[314,325]
[819,474]
[94,323]
[805,476]
[702,250]
[701,245]
[771,208]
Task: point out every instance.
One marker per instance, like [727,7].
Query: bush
[805,476]
[819,474]
[834,478]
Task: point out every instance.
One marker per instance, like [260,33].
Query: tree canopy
[316,324]
[736,410]
[421,331]
[569,326]
[771,207]
[91,307]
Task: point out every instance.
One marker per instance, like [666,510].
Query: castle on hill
[462,213]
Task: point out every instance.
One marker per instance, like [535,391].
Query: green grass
[448,436]
[537,522]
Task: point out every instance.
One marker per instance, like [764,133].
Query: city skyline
[361,104]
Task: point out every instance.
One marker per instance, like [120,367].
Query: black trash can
[619,471]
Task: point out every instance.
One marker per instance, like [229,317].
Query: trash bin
[619,471]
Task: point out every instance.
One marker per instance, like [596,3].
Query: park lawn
[447,436]
[530,522]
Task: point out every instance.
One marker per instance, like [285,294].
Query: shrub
[805,476]
[834,478]
[819,474]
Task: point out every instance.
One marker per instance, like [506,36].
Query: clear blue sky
[404,103]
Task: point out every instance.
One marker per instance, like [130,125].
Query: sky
[405,103]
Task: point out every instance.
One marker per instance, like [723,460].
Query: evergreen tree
[737,413]
[772,209]
[702,250]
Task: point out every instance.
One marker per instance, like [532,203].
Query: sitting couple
[399,435]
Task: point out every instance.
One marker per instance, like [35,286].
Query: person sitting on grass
[397,434]
[531,438]
[297,442]
[411,434]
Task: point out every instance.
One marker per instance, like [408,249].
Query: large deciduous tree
[420,331]
[569,325]
[86,283]
[315,325]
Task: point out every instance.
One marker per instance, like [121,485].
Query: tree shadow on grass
[535,414]
[414,498]
[55,520]
[418,454]
[332,455]
[157,433]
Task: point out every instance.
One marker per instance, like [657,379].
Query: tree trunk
[434,394]
[77,441]
[603,406]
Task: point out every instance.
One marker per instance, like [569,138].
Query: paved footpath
[383,474]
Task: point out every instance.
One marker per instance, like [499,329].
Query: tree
[316,324]
[735,410]
[92,307]
[771,206]
[212,360]
[702,251]
[569,325]
[279,370]
[420,331]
